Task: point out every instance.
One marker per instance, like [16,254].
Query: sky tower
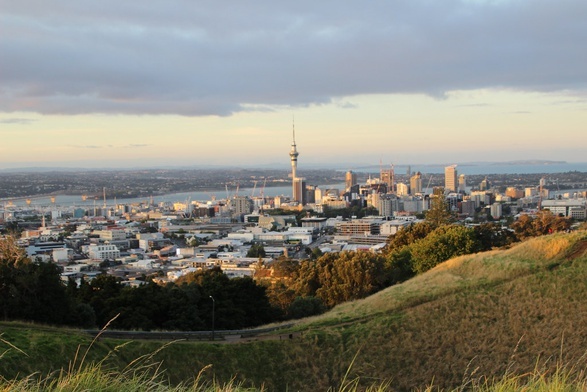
[293,155]
[298,185]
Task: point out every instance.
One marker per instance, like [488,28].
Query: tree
[305,307]
[438,213]
[545,222]
[284,267]
[410,234]
[30,291]
[316,253]
[340,277]
[281,296]
[256,250]
[442,244]
[492,235]
[399,265]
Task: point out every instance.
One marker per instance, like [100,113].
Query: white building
[103,252]
[575,208]
[496,211]
[392,227]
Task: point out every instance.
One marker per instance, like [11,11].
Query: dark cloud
[201,58]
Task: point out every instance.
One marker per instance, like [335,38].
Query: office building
[462,184]
[350,179]
[299,190]
[387,177]
[416,183]
[402,189]
[450,178]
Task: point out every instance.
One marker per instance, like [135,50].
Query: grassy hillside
[516,311]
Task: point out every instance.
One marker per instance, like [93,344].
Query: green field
[505,317]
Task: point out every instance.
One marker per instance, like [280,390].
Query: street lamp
[213,306]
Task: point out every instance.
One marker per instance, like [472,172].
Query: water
[203,196]
[467,169]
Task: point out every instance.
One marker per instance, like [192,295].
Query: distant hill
[504,311]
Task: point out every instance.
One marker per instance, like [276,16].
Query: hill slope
[484,314]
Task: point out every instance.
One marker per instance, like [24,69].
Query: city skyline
[178,84]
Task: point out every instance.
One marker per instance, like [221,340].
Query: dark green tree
[256,250]
[305,307]
[410,234]
[493,235]
[438,214]
[442,244]
[399,265]
[340,277]
[31,291]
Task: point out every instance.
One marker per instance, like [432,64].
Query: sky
[119,84]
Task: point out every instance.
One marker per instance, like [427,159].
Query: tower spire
[293,127]
[293,153]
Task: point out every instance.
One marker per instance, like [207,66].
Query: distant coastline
[488,168]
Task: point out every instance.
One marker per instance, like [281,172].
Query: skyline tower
[462,183]
[293,155]
[298,184]
[450,178]
[416,183]
[350,179]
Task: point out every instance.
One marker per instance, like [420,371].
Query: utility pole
[213,306]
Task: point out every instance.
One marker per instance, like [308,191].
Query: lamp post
[213,306]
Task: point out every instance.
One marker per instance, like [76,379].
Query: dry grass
[491,313]
[493,267]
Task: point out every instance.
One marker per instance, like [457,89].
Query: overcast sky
[114,83]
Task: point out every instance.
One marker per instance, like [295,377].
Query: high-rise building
[514,192]
[299,190]
[385,204]
[416,183]
[387,177]
[450,178]
[350,179]
[241,205]
[402,189]
[462,184]
[484,185]
[310,196]
[496,210]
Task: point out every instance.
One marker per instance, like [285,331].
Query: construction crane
[429,181]
[392,178]
[254,188]
[262,195]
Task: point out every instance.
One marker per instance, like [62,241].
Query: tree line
[33,291]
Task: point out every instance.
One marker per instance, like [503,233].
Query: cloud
[89,146]
[210,58]
[136,145]
[21,121]
[94,146]
[347,105]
